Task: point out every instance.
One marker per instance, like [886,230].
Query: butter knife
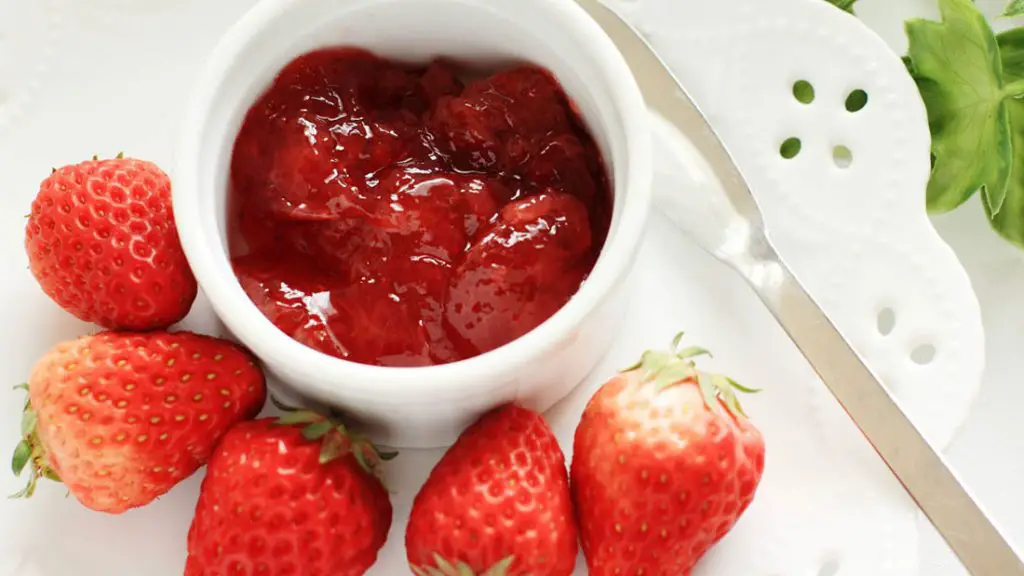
[729,226]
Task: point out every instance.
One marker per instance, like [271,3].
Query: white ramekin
[420,407]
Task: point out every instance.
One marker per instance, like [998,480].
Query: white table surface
[989,450]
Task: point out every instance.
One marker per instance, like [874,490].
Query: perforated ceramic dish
[856,234]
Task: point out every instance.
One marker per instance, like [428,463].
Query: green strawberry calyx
[29,453]
[677,365]
[336,439]
[443,567]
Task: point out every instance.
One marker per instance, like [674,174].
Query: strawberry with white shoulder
[120,418]
[665,462]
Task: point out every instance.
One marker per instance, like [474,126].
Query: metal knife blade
[739,239]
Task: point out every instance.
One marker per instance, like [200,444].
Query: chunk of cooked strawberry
[479,199]
[468,132]
[283,147]
[314,148]
[359,249]
[302,179]
[495,120]
[393,319]
[422,282]
[530,99]
[348,249]
[521,272]
[422,209]
[439,80]
[379,326]
[328,172]
[552,222]
[561,163]
[292,296]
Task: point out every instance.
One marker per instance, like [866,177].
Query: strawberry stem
[335,437]
[332,447]
[677,366]
[443,567]
[317,430]
[22,454]
[29,453]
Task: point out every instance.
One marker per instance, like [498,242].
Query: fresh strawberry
[665,463]
[121,418]
[497,504]
[102,243]
[290,497]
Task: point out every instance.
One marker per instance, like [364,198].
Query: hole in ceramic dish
[803,91]
[923,354]
[886,321]
[829,568]
[842,156]
[856,101]
[790,148]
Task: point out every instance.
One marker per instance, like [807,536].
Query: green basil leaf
[957,67]
[1014,8]
[845,5]
[1009,221]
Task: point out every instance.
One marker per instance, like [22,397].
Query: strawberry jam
[393,215]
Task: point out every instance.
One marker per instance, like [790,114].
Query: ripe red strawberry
[121,418]
[665,463]
[102,243]
[497,504]
[285,500]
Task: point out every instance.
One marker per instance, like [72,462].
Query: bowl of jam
[416,210]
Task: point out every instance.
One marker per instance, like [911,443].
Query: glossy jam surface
[395,216]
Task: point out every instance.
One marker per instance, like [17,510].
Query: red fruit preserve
[395,216]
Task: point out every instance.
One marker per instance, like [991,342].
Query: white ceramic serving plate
[101,76]
[420,407]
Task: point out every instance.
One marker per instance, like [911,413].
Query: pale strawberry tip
[666,368]
[30,451]
[443,567]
